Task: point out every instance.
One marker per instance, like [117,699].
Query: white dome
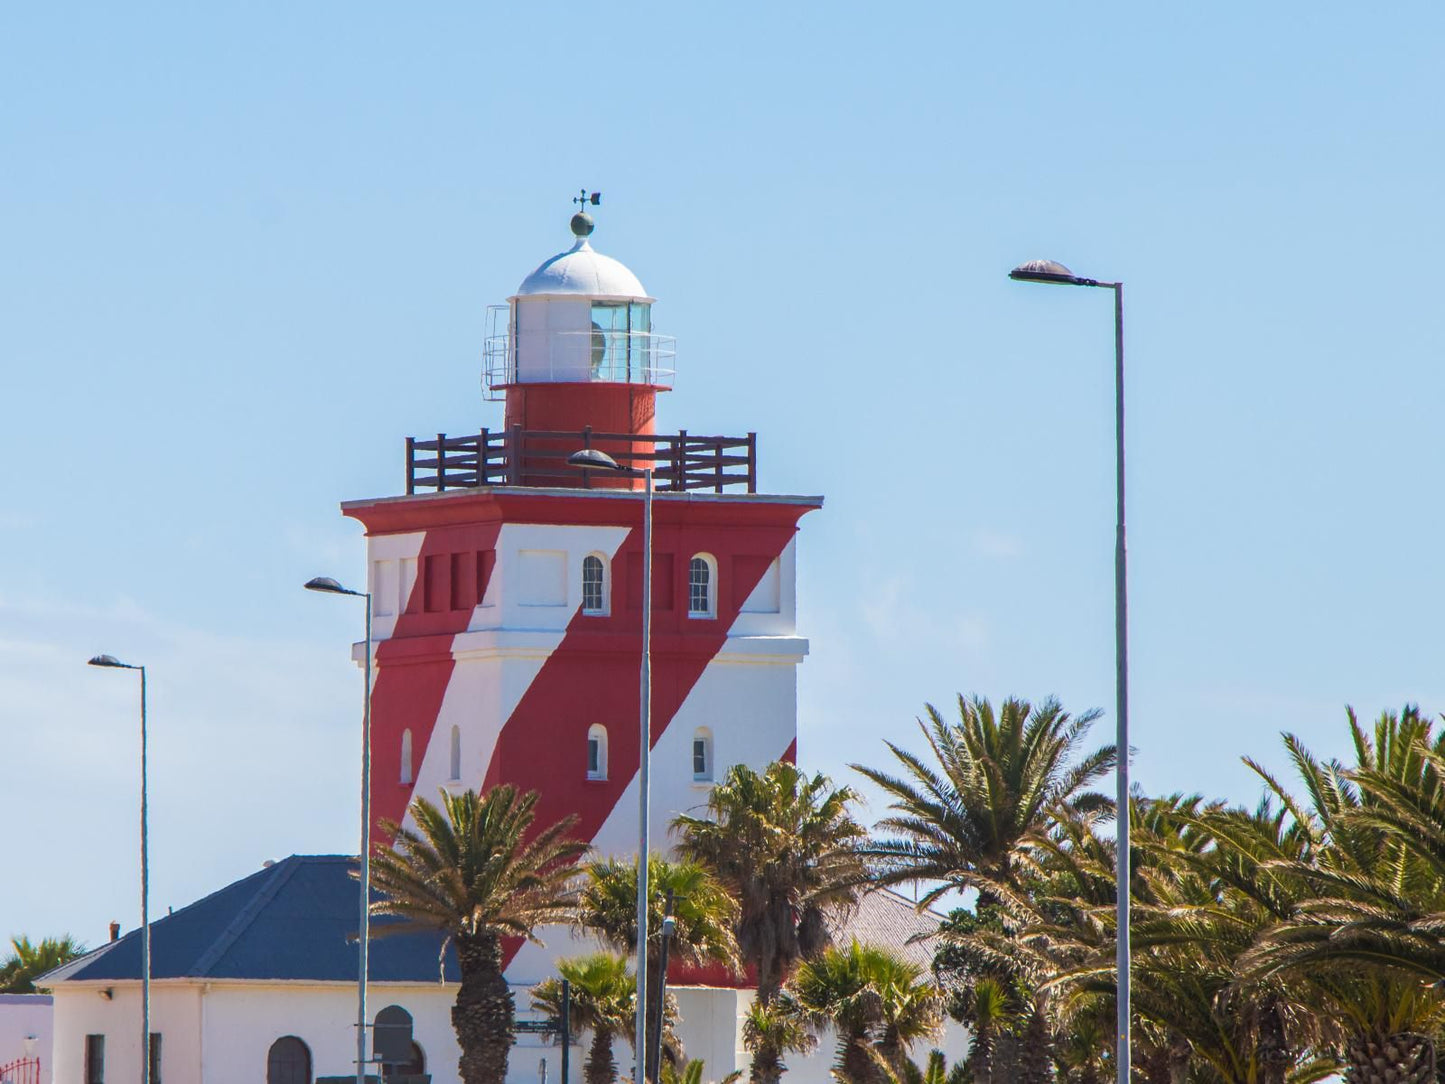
[582,271]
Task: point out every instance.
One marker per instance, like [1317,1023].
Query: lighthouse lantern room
[507,584]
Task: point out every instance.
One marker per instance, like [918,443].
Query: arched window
[702,586]
[288,1062]
[594,584]
[393,1046]
[702,755]
[406,776]
[456,758]
[596,752]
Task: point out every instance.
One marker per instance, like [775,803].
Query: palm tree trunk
[1275,1057]
[980,1056]
[1396,1059]
[854,1061]
[1036,1056]
[483,1014]
[601,1067]
[767,1065]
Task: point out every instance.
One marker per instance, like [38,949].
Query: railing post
[484,457]
[717,466]
[752,462]
[679,461]
[441,461]
[410,466]
[514,457]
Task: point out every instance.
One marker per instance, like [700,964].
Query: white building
[507,639]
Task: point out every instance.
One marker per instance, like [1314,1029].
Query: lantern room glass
[616,355]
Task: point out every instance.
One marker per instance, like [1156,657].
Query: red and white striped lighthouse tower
[507,585]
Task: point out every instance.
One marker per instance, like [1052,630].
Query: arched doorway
[288,1062]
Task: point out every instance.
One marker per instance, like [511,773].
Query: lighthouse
[507,584]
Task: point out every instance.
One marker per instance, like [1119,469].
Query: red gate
[21,1071]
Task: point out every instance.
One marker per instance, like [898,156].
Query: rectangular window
[95,1059]
[155,1057]
[699,588]
[699,758]
[593,597]
[594,759]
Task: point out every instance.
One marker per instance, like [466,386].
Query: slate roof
[295,920]
[885,919]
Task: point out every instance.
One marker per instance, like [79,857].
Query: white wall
[221,1032]
[84,1009]
[26,1026]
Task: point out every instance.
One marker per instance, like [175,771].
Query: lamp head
[327,585]
[111,661]
[595,459]
[1045,271]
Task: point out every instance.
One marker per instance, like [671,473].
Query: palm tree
[996,782]
[703,916]
[602,1000]
[877,1003]
[786,846]
[1365,933]
[772,1030]
[28,961]
[469,871]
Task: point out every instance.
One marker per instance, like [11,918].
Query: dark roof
[294,920]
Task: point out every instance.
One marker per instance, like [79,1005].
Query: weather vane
[584,199]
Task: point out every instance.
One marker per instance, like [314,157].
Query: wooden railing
[520,456]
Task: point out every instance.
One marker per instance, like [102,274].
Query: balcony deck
[679,461]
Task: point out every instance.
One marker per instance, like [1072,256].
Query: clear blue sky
[248,249]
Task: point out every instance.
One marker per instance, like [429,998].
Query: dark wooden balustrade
[679,461]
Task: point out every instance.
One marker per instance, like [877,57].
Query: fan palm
[877,1003]
[602,1000]
[785,844]
[469,870]
[772,1030]
[703,917]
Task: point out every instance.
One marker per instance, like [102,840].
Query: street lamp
[1047,271]
[592,459]
[111,662]
[326,585]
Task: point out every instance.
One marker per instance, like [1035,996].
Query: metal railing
[553,357]
[21,1071]
[517,456]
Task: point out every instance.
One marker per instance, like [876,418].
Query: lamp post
[110,661]
[327,585]
[592,459]
[1047,271]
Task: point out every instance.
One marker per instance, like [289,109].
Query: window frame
[407,773]
[454,755]
[604,606]
[596,733]
[709,562]
[94,1067]
[702,736]
[301,1047]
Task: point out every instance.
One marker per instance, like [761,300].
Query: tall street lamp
[1047,271]
[592,459]
[110,661]
[327,585]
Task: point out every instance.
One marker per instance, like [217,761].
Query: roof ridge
[281,873]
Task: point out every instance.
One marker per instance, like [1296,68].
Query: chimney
[115,931]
